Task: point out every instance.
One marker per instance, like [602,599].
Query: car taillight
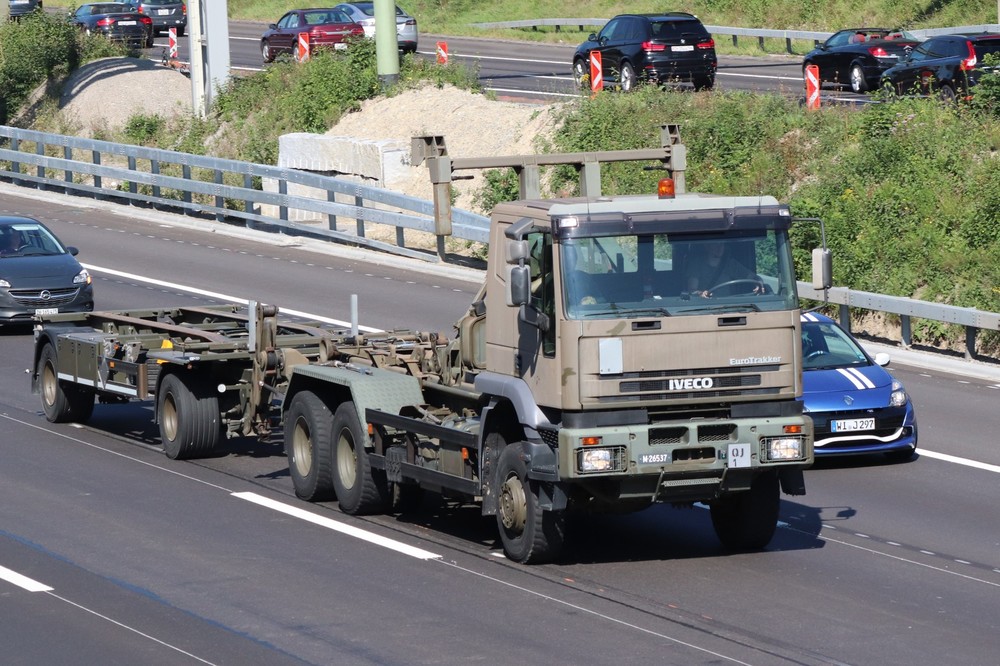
[184,9]
[878,52]
[650,46]
[146,20]
[970,62]
[411,21]
[710,44]
[105,22]
[140,9]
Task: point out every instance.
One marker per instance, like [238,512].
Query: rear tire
[359,490]
[188,412]
[528,533]
[627,78]
[947,94]
[704,83]
[309,447]
[62,402]
[859,84]
[747,520]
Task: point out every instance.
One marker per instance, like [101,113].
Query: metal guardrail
[226,189]
[759,33]
[200,189]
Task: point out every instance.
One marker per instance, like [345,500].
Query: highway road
[542,72]
[111,553]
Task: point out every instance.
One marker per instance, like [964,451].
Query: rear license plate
[41,312]
[126,22]
[162,12]
[686,47]
[340,46]
[852,425]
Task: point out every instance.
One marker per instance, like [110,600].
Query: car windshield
[827,345]
[110,9]
[26,239]
[630,276]
[323,17]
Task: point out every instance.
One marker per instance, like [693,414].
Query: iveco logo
[848,400]
[45,295]
[688,384]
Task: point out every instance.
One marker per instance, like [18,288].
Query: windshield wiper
[740,307]
[649,311]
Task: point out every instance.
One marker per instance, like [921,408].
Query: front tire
[62,402]
[580,74]
[859,84]
[747,520]
[309,446]
[359,491]
[627,78]
[265,52]
[188,412]
[528,533]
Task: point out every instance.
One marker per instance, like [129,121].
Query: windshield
[826,345]
[22,240]
[630,276]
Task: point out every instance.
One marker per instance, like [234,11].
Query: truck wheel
[62,402]
[529,534]
[747,520]
[358,490]
[190,426]
[308,443]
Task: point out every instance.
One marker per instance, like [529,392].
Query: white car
[364,13]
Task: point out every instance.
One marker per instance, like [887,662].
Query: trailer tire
[309,446]
[528,533]
[62,402]
[747,520]
[359,490]
[190,426]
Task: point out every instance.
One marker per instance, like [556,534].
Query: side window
[611,30]
[543,291]
[840,38]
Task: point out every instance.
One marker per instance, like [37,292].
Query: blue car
[857,407]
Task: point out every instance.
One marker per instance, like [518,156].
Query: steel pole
[386,45]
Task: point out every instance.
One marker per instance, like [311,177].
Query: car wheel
[947,94]
[581,76]
[627,78]
[888,89]
[265,51]
[858,83]
[704,83]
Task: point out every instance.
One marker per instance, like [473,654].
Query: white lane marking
[960,461]
[758,76]
[23,581]
[218,296]
[349,530]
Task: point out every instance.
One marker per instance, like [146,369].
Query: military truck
[590,372]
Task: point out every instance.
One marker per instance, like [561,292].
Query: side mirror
[882,359]
[517,251]
[72,250]
[592,37]
[518,286]
[822,268]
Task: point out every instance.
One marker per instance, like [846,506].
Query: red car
[327,28]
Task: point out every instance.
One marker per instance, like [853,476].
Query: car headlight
[4,284]
[898,397]
[83,277]
[784,448]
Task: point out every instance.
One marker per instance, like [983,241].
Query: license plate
[654,458]
[339,47]
[162,12]
[686,47]
[852,425]
[738,456]
[126,22]
[41,312]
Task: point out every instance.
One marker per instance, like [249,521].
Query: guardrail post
[529,181]
[95,158]
[590,179]
[845,318]
[248,207]
[186,174]
[359,221]
[220,201]
[904,325]
[970,342]
[154,168]
[331,219]
[283,209]
[735,40]
[131,183]
[68,174]
[788,45]
[15,145]
[760,42]
[40,170]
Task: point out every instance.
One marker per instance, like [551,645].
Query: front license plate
[40,312]
[686,47]
[852,425]
[654,458]
[738,455]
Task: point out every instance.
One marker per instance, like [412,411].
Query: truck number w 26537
[654,458]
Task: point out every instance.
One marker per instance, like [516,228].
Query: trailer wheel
[747,520]
[190,426]
[308,443]
[62,402]
[529,534]
[358,490]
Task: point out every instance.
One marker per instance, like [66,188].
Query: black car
[858,56]
[659,48]
[116,21]
[166,14]
[947,65]
[38,275]
[19,8]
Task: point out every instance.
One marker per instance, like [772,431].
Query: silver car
[166,14]
[406,25]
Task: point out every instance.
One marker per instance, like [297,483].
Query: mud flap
[793,481]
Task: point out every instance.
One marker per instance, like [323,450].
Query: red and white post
[302,53]
[596,75]
[172,40]
[812,87]
[442,53]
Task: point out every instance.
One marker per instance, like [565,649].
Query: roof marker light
[665,188]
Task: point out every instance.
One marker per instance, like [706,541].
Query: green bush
[33,49]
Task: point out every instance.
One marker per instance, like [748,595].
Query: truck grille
[673,384]
[44,298]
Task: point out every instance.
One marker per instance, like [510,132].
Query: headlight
[783,448]
[83,277]
[4,283]
[594,460]
[898,397]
